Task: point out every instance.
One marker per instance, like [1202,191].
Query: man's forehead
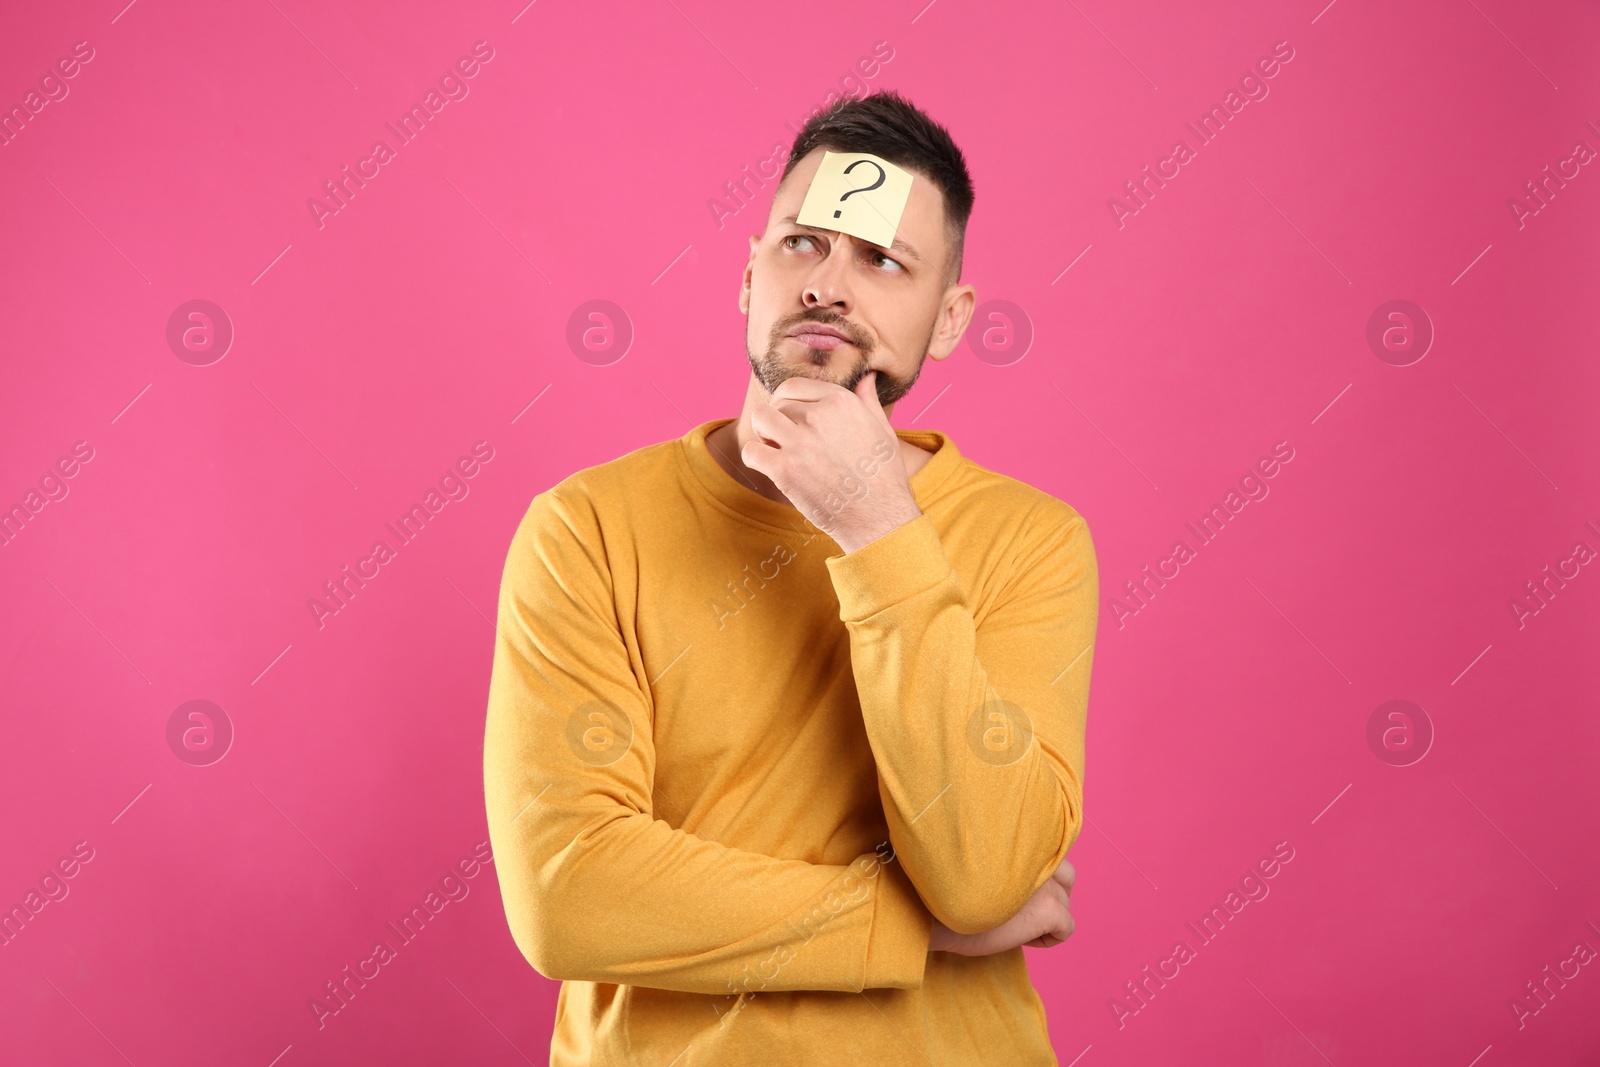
[817,188]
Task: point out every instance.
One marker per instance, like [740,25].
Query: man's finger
[760,456]
[1066,874]
[867,390]
[796,411]
[773,425]
[802,388]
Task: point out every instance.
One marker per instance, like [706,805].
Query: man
[785,736]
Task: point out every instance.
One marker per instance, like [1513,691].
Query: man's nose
[829,284]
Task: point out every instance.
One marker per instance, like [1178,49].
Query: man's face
[893,306]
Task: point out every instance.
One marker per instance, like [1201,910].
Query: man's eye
[894,265]
[794,237]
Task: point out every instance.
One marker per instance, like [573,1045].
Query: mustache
[823,317]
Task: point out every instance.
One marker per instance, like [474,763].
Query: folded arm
[596,887]
[977,731]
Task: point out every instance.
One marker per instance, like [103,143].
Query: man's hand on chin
[1044,922]
[832,452]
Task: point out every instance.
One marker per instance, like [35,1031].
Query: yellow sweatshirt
[732,772]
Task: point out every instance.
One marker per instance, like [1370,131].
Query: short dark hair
[889,126]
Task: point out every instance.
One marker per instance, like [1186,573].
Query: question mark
[882,177]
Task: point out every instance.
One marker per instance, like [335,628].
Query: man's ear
[955,313]
[749,272]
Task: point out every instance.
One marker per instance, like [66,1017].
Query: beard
[772,368]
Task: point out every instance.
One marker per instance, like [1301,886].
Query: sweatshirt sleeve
[595,886]
[977,730]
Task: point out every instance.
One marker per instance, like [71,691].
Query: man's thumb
[867,390]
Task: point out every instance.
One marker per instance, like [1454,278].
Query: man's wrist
[850,541]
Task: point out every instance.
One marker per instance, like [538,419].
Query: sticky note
[859,194]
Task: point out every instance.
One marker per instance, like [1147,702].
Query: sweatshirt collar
[741,499]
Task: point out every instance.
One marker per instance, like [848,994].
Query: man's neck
[727,443]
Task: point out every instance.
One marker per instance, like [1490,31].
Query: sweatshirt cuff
[897,946]
[897,566]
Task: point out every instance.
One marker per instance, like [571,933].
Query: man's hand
[1043,922]
[834,455]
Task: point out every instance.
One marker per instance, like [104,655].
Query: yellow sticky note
[859,194]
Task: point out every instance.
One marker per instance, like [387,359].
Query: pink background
[1230,313]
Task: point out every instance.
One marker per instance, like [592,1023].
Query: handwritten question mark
[882,177]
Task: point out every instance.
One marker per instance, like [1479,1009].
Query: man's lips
[816,335]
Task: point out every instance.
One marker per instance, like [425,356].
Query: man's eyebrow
[899,245]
